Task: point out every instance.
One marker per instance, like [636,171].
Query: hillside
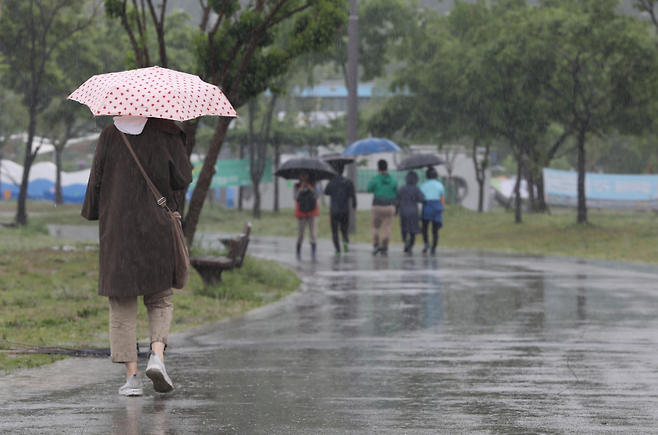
[443,6]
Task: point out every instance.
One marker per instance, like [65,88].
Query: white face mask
[130,124]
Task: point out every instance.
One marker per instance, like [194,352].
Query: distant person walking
[306,212]
[409,196]
[341,190]
[434,194]
[136,255]
[384,187]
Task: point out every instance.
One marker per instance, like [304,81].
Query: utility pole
[352,96]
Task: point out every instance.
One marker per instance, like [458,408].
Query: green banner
[232,173]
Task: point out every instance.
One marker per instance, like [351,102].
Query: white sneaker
[156,372]
[133,386]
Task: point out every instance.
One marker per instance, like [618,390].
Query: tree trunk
[256,209]
[205,178]
[530,183]
[517,192]
[480,172]
[542,207]
[240,189]
[189,128]
[276,179]
[254,154]
[160,31]
[2,197]
[258,150]
[582,203]
[59,200]
[481,196]
[21,211]
[257,168]
[211,199]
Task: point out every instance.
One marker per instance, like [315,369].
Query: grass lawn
[48,295]
[610,235]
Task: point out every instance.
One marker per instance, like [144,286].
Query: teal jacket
[385,189]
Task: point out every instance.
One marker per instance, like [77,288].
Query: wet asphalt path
[460,343]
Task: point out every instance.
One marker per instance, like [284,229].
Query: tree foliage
[246,49]
[602,72]
[135,18]
[511,71]
[31,34]
[384,29]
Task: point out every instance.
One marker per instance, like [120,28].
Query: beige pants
[123,323]
[382,218]
[312,222]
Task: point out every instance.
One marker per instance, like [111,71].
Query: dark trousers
[409,239]
[435,233]
[344,221]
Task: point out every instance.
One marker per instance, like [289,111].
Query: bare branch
[205,16]
[139,22]
[142,58]
[159,30]
[80,25]
[289,14]
[558,143]
[242,69]
[219,20]
[647,6]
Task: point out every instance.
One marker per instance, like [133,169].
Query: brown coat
[136,242]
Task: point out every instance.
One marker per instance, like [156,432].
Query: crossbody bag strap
[161,200]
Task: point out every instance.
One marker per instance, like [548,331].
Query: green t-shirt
[384,187]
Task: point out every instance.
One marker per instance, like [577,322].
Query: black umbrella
[418,161]
[316,169]
[338,161]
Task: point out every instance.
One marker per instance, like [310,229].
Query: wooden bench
[210,267]
[242,241]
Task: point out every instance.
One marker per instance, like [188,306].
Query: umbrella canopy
[338,161]
[371,145]
[338,158]
[152,92]
[417,161]
[316,169]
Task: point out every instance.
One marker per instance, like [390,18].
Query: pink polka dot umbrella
[153,92]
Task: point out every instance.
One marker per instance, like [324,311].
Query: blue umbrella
[371,145]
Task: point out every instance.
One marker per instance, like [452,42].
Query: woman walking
[409,196]
[136,255]
[306,212]
[434,194]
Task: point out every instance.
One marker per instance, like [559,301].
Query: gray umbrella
[418,161]
[317,169]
